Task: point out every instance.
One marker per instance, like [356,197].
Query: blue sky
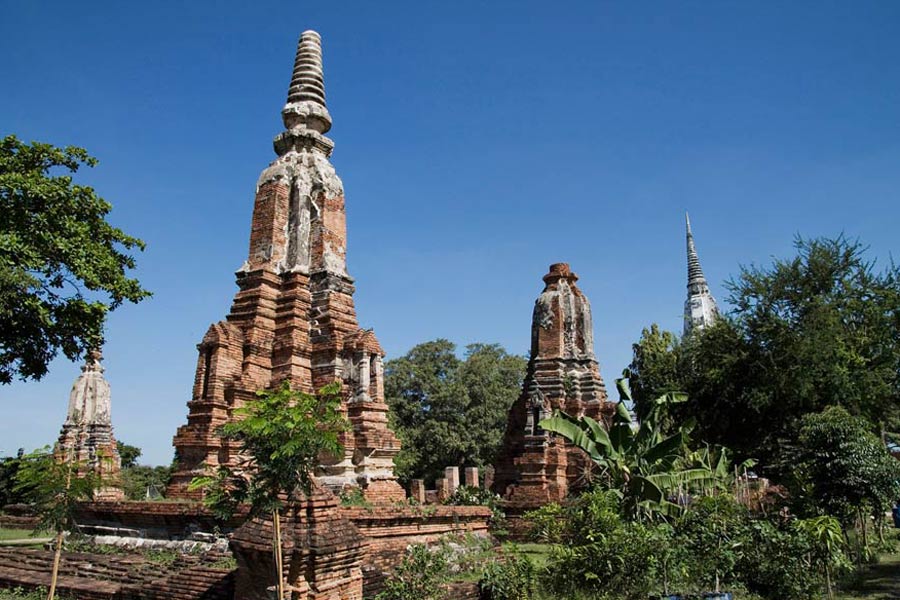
[478,142]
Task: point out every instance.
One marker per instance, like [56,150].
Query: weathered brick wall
[162,520]
[390,529]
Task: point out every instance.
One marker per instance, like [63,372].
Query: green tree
[448,411]
[128,454]
[654,367]
[283,435]
[54,488]
[818,329]
[62,266]
[9,468]
[842,468]
[141,482]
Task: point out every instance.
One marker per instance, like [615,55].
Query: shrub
[466,495]
[418,576]
[511,577]
[546,524]
[606,556]
[714,534]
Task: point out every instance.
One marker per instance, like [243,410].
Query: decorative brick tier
[293,318]
[535,467]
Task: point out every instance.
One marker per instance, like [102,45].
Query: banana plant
[642,465]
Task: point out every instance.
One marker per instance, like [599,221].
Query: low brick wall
[390,529]
[161,520]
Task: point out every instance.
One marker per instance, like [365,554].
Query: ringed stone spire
[700,308]
[293,317]
[87,435]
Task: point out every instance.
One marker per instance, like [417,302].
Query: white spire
[700,308]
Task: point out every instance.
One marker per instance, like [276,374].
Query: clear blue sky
[478,142]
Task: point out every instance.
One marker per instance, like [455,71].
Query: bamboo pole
[54,574]
[279,565]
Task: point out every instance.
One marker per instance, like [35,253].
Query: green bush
[466,495]
[778,563]
[546,524]
[511,577]
[714,535]
[418,576]
[605,556]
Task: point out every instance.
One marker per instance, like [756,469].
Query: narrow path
[881,582]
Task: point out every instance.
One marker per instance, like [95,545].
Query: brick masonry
[88,576]
[293,317]
[535,467]
[386,529]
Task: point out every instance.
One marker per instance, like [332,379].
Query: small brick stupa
[87,435]
[536,467]
[293,317]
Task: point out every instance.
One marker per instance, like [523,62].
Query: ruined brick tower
[536,467]
[87,436]
[293,317]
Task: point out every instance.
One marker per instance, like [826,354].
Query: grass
[20,534]
[22,594]
[880,581]
[538,553]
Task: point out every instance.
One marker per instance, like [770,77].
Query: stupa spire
[700,307]
[305,107]
[695,272]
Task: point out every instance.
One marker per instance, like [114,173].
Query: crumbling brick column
[322,552]
[535,468]
[472,476]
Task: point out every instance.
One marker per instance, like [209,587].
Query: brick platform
[386,529]
[112,577]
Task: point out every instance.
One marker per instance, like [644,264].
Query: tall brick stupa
[536,467]
[293,316]
[87,434]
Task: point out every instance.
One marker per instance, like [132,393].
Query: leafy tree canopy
[128,454]
[282,435]
[62,266]
[842,467]
[448,411]
[654,368]
[816,330]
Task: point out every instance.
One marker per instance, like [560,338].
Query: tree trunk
[828,583]
[279,565]
[55,572]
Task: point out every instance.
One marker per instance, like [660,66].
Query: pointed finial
[305,106]
[93,360]
[695,273]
